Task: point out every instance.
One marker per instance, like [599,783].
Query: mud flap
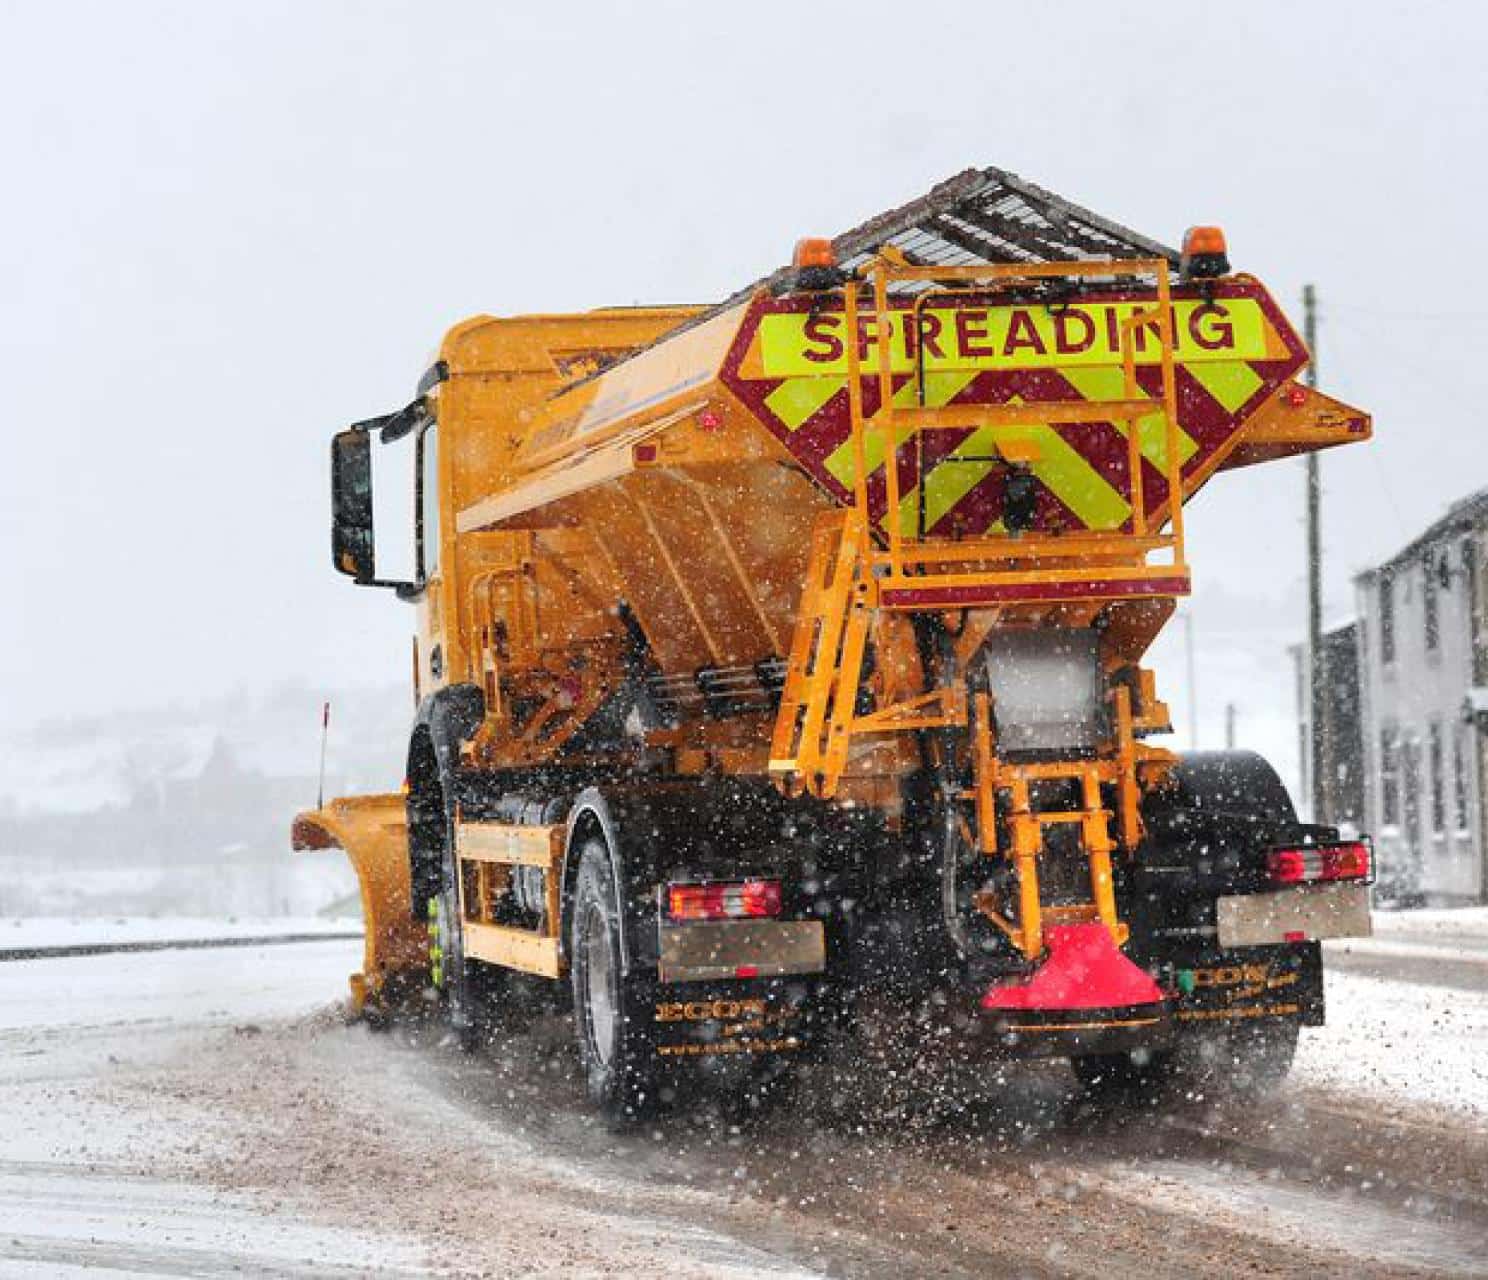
[1249,984]
[748,1019]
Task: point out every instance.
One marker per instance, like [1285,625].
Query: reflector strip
[1100,589]
[796,399]
[1234,348]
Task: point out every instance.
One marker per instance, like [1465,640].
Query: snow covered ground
[85,1177]
[159,1119]
[204,1112]
[1408,1014]
[1402,1042]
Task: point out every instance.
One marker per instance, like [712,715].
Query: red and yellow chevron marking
[1233,349]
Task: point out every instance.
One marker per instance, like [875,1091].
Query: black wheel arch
[1218,813]
[444,719]
[1207,831]
[716,826]
[1229,782]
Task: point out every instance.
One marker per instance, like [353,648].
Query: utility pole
[1229,726]
[1317,669]
[1193,682]
[325,732]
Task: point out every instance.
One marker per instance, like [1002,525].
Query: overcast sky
[230,228]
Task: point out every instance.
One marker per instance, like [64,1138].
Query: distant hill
[186,809]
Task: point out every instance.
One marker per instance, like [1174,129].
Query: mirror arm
[394,426]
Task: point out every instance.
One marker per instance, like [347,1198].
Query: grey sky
[230,228]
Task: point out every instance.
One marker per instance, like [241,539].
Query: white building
[1423,667]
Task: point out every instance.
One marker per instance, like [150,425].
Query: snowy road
[205,1113]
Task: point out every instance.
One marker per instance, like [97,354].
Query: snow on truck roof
[987,216]
[979,216]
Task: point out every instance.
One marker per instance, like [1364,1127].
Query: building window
[1434,760]
[1474,610]
[1429,607]
[1387,617]
[1459,782]
[1390,777]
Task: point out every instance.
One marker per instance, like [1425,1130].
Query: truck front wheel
[474,996]
[610,1010]
[450,973]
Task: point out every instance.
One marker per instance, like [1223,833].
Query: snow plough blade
[373,830]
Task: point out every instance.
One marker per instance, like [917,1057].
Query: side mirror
[353,546]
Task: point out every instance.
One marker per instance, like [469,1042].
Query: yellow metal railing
[909,557]
[853,572]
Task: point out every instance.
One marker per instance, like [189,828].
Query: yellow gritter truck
[781,659]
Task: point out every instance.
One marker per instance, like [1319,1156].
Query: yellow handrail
[891,421]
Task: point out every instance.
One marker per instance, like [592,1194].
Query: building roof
[1464,514]
[1336,631]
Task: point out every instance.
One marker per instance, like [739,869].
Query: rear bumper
[1198,986]
[1028,1033]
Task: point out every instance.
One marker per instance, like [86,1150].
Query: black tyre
[1207,835]
[611,1012]
[1242,1062]
[1133,1078]
[467,989]
[1245,1060]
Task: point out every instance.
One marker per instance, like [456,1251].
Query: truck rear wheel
[1208,831]
[610,1010]
[1243,1061]
[1247,1060]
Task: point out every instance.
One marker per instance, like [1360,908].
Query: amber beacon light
[1205,254]
[813,251]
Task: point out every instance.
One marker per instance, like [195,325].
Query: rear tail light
[1307,864]
[724,900]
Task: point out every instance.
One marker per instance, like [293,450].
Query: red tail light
[724,900]
[1306,864]
[1287,866]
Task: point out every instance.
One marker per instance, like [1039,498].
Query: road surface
[206,1113]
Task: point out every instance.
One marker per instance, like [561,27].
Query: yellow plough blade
[373,830]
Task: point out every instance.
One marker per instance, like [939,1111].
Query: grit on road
[208,1113]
